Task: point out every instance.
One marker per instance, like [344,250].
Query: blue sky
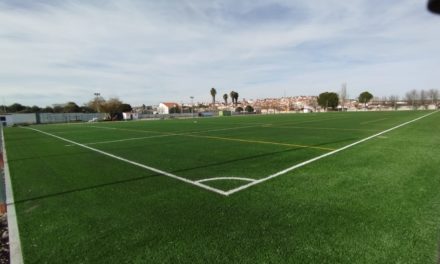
[145,52]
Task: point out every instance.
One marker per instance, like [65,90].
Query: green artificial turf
[377,202]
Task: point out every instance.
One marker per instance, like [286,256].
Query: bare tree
[423,99]
[343,95]
[393,99]
[383,102]
[433,95]
[412,97]
[314,103]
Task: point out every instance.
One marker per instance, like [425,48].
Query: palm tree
[213,93]
[225,97]
[236,98]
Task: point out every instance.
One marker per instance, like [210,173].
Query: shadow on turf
[157,174]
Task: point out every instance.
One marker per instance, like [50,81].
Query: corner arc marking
[226,178]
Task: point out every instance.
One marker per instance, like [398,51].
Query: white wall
[30,118]
[163,109]
[130,116]
[7,121]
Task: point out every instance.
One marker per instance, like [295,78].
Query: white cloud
[147,52]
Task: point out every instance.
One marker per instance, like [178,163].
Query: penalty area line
[243,187]
[201,185]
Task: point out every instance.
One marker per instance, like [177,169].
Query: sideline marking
[322,156]
[226,178]
[209,188]
[14,235]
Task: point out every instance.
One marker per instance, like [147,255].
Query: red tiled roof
[170,104]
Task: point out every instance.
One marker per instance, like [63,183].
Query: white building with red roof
[164,108]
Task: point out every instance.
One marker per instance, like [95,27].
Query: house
[167,108]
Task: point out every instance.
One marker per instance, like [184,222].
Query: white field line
[16,256]
[119,140]
[103,127]
[134,163]
[169,134]
[373,121]
[321,156]
[226,178]
[178,133]
[311,121]
[328,128]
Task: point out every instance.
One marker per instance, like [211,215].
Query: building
[167,108]
[130,116]
[6,120]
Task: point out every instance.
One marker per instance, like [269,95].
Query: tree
[225,97]
[97,104]
[328,99]
[314,103]
[175,110]
[213,94]
[365,97]
[16,107]
[423,99]
[124,108]
[47,109]
[113,107]
[249,109]
[232,94]
[86,109]
[343,95]
[71,107]
[35,109]
[393,100]
[58,109]
[236,98]
[433,95]
[412,97]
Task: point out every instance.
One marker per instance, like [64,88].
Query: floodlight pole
[96,101]
[192,106]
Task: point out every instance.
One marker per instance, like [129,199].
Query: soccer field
[304,188]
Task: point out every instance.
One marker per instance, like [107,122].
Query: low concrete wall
[11,119]
[47,118]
